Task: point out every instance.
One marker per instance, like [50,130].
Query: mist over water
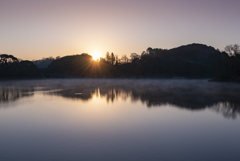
[119,119]
[180,93]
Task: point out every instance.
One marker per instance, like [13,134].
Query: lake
[119,120]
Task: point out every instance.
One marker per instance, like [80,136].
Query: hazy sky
[32,29]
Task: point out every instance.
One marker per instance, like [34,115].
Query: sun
[96,55]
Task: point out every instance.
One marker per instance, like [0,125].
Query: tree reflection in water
[9,94]
[186,94]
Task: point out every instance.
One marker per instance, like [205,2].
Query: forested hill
[191,61]
[82,66]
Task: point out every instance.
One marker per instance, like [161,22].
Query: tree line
[190,61]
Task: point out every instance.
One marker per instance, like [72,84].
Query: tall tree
[108,57]
[124,59]
[112,58]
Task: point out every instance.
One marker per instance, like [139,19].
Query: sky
[33,29]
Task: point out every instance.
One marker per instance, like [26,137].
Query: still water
[119,120]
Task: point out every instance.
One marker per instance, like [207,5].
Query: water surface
[119,119]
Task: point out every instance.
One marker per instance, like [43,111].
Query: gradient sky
[32,29]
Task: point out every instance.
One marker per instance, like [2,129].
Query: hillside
[194,60]
[189,61]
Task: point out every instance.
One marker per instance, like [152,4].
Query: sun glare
[96,55]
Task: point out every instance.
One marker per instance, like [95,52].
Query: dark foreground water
[119,120]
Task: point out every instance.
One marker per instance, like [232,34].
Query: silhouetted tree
[143,54]
[108,57]
[150,50]
[134,57]
[117,60]
[112,58]
[124,59]
[10,66]
[236,49]
[232,50]
[4,59]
